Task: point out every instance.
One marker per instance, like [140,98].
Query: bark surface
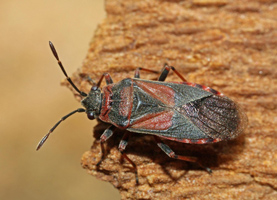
[227,45]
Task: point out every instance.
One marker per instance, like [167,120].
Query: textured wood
[227,45]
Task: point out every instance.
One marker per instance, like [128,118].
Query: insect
[180,111]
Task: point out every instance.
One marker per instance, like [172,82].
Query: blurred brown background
[33,101]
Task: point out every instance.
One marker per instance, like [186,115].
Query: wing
[180,111]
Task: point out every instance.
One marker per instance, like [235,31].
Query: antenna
[64,72]
[55,126]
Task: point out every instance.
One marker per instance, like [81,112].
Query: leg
[104,137]
[89,79]
[137,72]
[108,78]
[122,145]
[172,154]
[165,72]
[105,75]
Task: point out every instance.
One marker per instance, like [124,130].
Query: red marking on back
[154,121]
[206,88]
[163,93]
[107,93]
[190,84]
[125,105]
[201,141]
[217,140]
[192,141]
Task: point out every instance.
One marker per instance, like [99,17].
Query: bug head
[92,102]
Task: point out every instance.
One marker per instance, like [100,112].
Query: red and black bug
[179,111]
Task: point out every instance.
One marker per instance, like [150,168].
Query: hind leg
[172,154]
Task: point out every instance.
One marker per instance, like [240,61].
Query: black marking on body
[216,116]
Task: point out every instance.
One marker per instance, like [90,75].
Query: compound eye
[90,115]
[94,88]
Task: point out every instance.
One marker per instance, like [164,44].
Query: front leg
[122,145]
[104,137]
[108,78]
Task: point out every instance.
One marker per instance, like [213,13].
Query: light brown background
[32,100]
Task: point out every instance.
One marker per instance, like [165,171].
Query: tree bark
[227,45]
